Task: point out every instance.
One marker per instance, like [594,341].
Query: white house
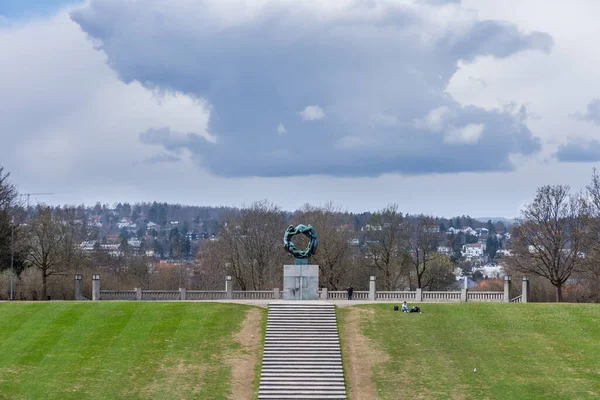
[445,250]
[473,250]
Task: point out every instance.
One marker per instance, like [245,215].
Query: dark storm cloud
[297,89]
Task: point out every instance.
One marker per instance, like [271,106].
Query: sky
[443,107]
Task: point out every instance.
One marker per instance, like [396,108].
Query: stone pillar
[525,290]
[78,294]
[228,287]
[419,295]
[463,291]
[372,287]
[276,294]
[507,282]
[182,294]
[324,293]
[138,293]
[95,287]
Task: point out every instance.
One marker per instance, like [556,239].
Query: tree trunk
[559,294]
[44,279]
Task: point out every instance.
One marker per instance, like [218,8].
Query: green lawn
[521,351]
[118,350]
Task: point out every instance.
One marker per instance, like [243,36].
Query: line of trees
[555,239]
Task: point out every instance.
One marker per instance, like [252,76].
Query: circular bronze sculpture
[309,232]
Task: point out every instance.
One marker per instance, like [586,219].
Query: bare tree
[551,235]
[8,194]
[423,238]
[51,241]
[386,244]
[249,247]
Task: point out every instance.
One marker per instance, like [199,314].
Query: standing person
[350,291]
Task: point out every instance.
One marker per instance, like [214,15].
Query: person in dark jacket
[350,291]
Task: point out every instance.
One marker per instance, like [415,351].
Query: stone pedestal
[300,282]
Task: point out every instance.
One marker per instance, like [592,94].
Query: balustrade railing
[117,294]
[426,296]
[393,295]
[441,296]
[517,299]
[252,294]
[161,295]
[485,296]
[205,294]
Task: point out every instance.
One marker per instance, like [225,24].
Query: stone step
[301,356]
[298,391]
[294,387]
[303,374]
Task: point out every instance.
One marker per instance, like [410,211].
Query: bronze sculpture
[309,232]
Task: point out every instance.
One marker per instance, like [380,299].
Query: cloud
[256,64]
[281,129]
[592,112]
[161,158]
[579,150]
[312,113]
[469,133]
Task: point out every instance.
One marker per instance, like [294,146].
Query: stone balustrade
[415,296]
[485,296]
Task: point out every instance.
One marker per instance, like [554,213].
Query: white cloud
[312,113]
[435,120]
[281,129]
[468,134]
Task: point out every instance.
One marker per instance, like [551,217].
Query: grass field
[119,350]
[520,351]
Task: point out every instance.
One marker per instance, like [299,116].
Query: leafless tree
[249,247]
[51,241]
[551,235]
[8,194]
[423,238]
[385,246]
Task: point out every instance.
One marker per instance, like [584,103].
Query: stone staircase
[302,359]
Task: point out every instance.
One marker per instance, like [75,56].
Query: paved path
[302,358]
[339,303]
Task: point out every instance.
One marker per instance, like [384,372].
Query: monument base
[300,282]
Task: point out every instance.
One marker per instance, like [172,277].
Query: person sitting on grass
[404,307]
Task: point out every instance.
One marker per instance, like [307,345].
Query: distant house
[473,250]
[354,242]
[451,231]
[482,231]
[445,250]
[467,230]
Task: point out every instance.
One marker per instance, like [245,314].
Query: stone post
[276,294]
[525,290]
[464,290]
[419,295]
[95,287]
[228,287]
[138,293]
[372,288]
[182,293]
[324,293]
[507,282]
[78,295]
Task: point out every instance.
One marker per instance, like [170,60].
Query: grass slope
[521,351]
[124,350]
